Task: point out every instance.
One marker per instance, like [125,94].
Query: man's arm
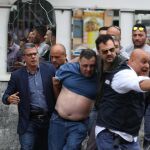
[145,85]
[11,94]
[127,80]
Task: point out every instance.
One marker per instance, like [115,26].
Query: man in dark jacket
[30,88]
[122,104]
[108,61]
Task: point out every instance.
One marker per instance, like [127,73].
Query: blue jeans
[105,141]
[36,136]
[65,134]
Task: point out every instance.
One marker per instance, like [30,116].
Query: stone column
[126,24]
[63,29]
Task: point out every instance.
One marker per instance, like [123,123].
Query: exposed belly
[73,106]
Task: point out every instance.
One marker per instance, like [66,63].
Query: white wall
[103,4]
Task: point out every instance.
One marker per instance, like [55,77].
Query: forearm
[145,85]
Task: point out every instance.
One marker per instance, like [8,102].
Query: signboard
[92,21]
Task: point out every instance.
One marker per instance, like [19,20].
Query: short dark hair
[87,53]
[41,30]
[138,25]
[103,39]
[27,46]
[103,28]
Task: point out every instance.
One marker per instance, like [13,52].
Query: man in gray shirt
[139,36]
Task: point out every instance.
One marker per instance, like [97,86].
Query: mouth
[109,58]
[145,71]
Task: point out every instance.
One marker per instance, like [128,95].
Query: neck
[32,70]
[107,66]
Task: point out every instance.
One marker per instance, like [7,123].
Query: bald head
[114,31]
[58,55]
[139,61]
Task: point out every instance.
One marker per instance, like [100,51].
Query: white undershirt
[123,82]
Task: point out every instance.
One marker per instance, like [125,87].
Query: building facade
[63,13]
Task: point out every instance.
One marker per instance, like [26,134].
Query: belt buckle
[40,117]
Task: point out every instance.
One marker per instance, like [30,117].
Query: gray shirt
[130,49]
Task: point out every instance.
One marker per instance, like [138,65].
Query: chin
[88,75]
[110,60]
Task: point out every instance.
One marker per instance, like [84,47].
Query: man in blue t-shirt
[69,122]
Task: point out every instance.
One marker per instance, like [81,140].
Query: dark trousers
[36,135]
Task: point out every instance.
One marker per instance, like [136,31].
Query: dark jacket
[19,82]
[101,75]
[121,112]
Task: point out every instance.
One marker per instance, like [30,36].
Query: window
[24,15]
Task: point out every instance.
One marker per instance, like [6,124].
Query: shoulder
[68,68]
[47,65]
[126,72]
[129,49]
[44,45]
[146,47]
[18,74]
[19,71]
[69,65]
[121,59]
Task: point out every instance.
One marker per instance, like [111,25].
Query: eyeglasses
[105,51]
[31,54]
[138,28]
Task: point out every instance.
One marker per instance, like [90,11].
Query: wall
[8,124]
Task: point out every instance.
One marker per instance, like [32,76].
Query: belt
[39,114]
[40,117]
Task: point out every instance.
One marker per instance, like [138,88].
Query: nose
[137,37]
[88,68]
[53,59]
[109,52]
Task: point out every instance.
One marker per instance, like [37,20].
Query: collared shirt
[36,90]
[122,84]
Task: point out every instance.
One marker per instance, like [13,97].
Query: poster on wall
[92,21]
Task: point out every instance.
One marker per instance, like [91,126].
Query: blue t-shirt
[70,76]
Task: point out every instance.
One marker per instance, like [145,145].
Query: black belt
[39,114]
